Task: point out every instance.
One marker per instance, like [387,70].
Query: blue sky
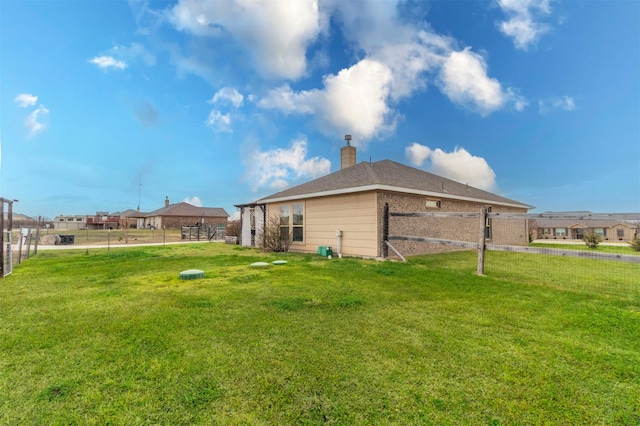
[107,105]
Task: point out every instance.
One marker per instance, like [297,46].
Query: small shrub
[232,229]
[273,237]
[592,240]
[635,244]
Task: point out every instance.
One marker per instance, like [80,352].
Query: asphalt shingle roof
[387,174]
[186,209]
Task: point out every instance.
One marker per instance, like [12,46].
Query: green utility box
[325,251]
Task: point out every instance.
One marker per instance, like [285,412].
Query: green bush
[635,244]
[592,240]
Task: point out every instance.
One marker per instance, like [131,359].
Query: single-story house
[103,220]
[70,222]
[173,216]
[572,229]
[345,210]
[126,218]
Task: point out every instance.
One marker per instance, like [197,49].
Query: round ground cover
[191,274]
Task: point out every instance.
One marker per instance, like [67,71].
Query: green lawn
[114,337]
[602,248]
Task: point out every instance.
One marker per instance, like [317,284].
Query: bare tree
[532,226]
[275,235]
[124,230]
[232,229]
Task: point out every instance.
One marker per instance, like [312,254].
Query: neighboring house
[181,214]
[103,220]
[346,208]
[572,229]
[127,219]
[23,221]
[70,222]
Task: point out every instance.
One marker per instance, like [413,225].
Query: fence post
[482,240]
[29,237]
[2,254]
[385,231]
[35,246]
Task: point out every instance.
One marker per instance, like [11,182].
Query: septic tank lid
[191,274]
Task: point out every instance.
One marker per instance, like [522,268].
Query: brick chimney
[347,154]
[166,201]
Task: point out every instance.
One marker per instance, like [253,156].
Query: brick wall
[504,231]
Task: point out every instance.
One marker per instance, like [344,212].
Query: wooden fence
[481,245]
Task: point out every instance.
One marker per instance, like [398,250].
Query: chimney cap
[348,139]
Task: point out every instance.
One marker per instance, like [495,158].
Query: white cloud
[399,59]
[417,154]
[519,103]
[277,167]
[522,24]
[458,165]
[107,62]
[25,100]
[194,201]
[32,123]
[396,58]
[464,79]
[276,33]
[409,51]
[228,94]
[353,101]
[283,98]
[411,60]
[218,121]
[564,103]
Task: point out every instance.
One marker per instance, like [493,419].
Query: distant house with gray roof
[173,216]
[574,229]
[346,208]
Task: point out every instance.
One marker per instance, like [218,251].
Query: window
[433,204]
[284,222]
[599,232]
[561,232]
[292,222]
[546,231]
[620,233]
[298,220]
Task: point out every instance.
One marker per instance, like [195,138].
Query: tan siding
[354,214]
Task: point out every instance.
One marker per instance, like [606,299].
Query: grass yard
[602,248]
[114,337]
